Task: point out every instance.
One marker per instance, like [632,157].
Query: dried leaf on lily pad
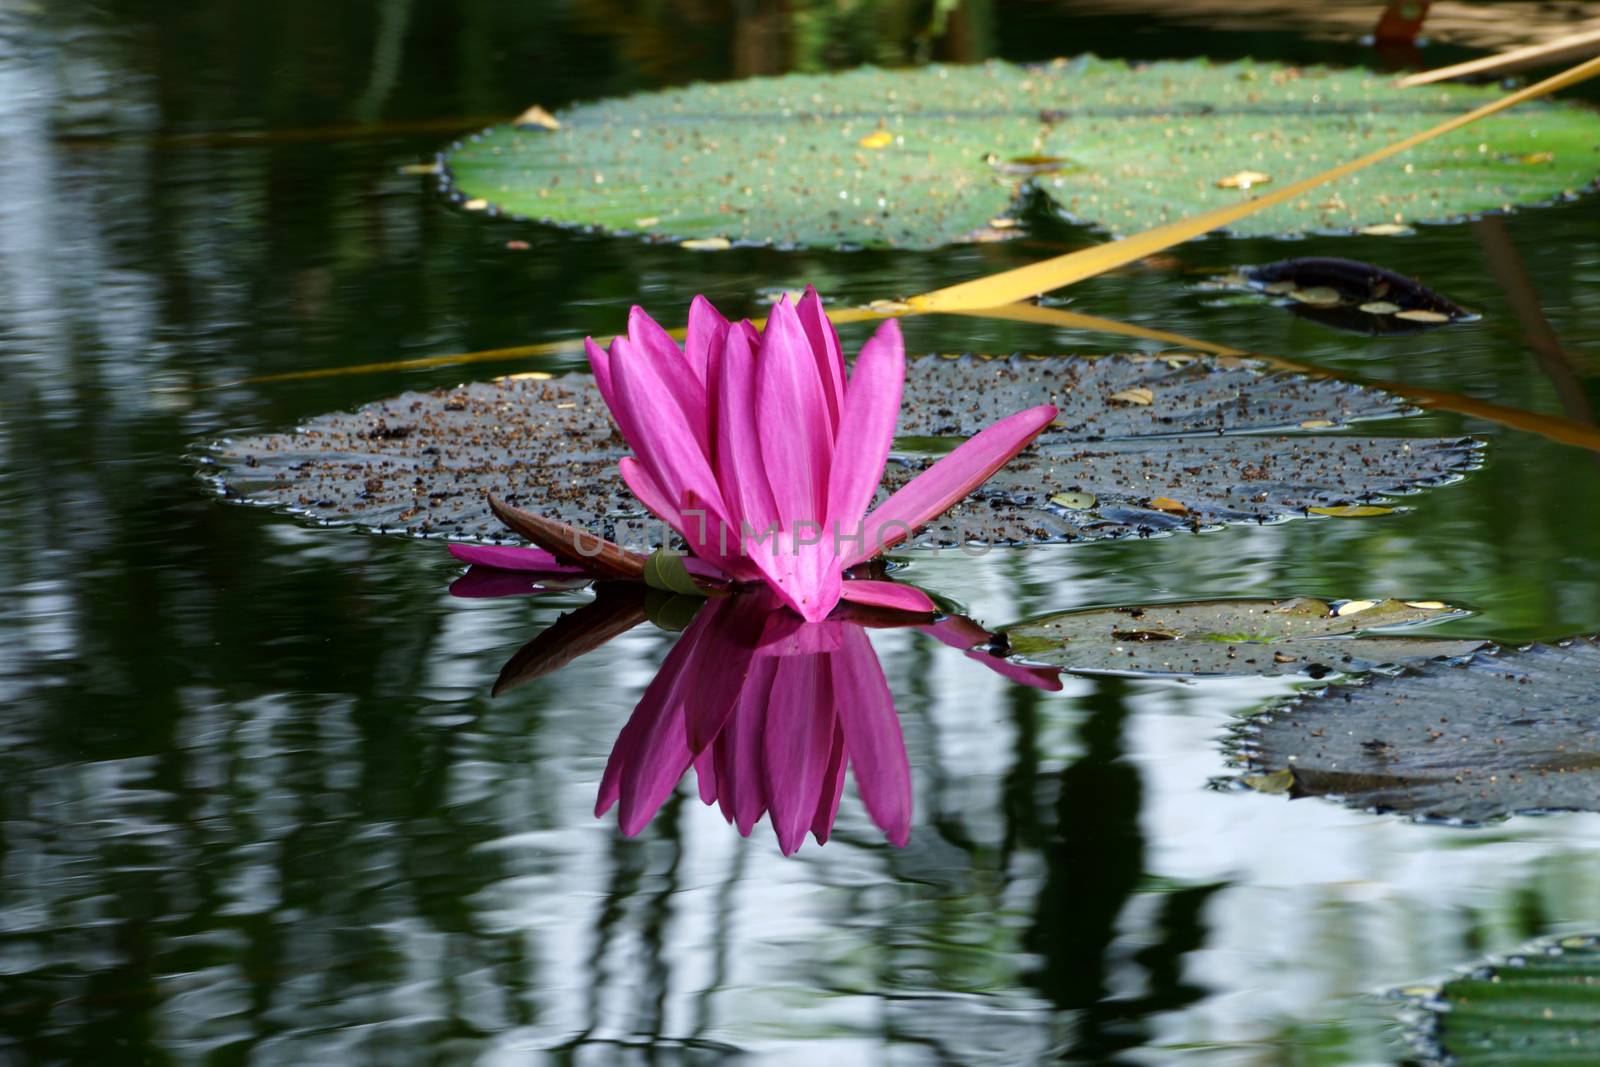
[1537,1008]
[1502,733]
[1210,440]
[803,160]
[1303,635]
[1348,295]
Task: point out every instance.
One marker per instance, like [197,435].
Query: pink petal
[887,595]
[824,341]
[661,433]
[668,373]
[872,736]
[701,339]
[705,532]
[871,406]
[740,469]
[600,364]
[805,574]
[512,558]
[798,742]
[792,421]
[937,489]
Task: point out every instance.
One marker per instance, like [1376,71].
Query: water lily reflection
[770,710]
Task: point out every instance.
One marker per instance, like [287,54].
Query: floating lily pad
[1503,733]
[1256,637]
[1207,449]
[1349,295]
[1538,1008]
[921,158]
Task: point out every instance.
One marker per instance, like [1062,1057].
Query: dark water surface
[257,806]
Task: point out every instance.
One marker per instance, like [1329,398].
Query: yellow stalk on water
[1023,282]
[1559,50]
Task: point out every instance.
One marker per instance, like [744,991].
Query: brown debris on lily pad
[1349,295]
[1222,437]
[1502,733]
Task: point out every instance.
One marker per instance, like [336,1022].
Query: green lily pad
[1209,447]
[1233,637]
[1538,1008]
[921,158]
[1505,732]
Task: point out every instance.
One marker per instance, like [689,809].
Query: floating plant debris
[921,158]
[1502,733]
[1222,437]
[1540,1006]
[1349,295]
[1302,635]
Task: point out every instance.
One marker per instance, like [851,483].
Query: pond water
[257,804]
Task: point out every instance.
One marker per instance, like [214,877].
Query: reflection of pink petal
[872,736]
[512,558]
[741,785]
[832,787]
[722,662]
[1046,678]
[797,743]
[937,489]
[891,595]
[786,634]
[957,631]
[482,583]
[652,752]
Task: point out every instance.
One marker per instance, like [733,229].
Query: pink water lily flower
[764,454]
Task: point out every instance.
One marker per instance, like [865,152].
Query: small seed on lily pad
[477,203]
[1426,605]
[1386,229]
[1136,395]
[879,139]
[537,116]
[1169,505]
[1380,307]
[1074,501]
[646,222]
[1244,179]
[1352,607]
[1320,295]
[1352,511]
[1419,315]
[706,244]
[1316,424]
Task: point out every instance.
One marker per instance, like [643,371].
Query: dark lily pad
[1538,1008]
[1142,445]
[1346,294]
[920,158]
[1504,733]
[1255,637]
